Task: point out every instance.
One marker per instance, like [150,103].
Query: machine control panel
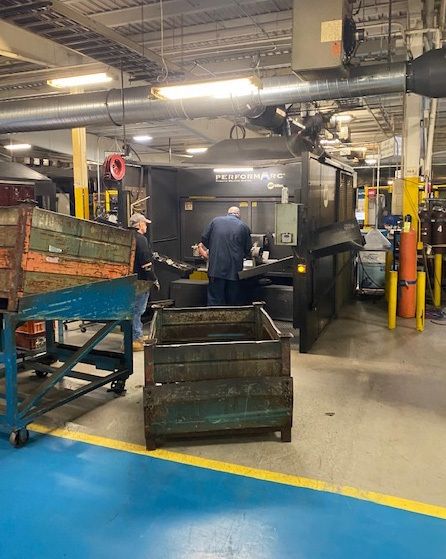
[286,224]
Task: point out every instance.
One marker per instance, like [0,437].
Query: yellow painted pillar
[438,269]
[393,296]
[421,300]
[80,172]
[410,200]
[388,268]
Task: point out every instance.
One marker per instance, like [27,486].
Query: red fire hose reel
[114,167]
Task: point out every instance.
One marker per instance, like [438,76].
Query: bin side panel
[219,405]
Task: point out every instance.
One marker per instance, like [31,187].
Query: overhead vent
[324,37]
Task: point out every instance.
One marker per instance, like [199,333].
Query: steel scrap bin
[43,251]
[216,370]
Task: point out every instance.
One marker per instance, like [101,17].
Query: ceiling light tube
[80,81]
[142,138]
[196,151]
[222,89]
[17,147]
[343,119]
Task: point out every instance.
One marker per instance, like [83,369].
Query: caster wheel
[118,386]
[19,438]
[83,330]
[41,374]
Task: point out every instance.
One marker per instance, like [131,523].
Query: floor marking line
[245,471]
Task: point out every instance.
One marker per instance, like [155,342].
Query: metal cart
[108,302]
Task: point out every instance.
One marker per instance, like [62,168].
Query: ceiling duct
[101,108]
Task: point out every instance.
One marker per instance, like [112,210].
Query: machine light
[17,147]
[143,138]
[234,170]
[301,269]
[80,81]
[196,151]
[217,89]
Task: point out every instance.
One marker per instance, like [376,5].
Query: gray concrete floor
[370,410]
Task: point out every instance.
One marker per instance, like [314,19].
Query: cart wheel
[118,386]
[41,374]
[19,438]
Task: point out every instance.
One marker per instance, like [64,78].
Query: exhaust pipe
[425,75]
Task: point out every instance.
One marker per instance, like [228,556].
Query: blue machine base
[72,500]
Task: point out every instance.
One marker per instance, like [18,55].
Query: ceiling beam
[171,8]
[219,30]
[23,45]
[101,29]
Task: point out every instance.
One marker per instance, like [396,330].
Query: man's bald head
[234,210]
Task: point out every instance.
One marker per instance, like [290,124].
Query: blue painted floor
[64,499]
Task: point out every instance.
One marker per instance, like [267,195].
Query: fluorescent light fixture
[334,142]
[196,151]
[17,147]
[79,81]
[142,138]
[217,89]
[343,119]
[371,161]
[234,170]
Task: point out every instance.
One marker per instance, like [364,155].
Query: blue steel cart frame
[108,302]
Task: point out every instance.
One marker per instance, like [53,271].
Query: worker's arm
[144,257]
[206,236]
[248,242]
[203,251]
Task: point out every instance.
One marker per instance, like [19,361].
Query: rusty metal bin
[216,370]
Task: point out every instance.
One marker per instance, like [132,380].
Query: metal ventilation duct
[101,108]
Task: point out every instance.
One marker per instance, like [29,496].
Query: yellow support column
[410,200]
[438,265]
[393,295]
[388,268]
[80,172]
[421,300]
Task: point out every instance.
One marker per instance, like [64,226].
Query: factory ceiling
[151,42]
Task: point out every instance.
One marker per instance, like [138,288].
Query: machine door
[317,290]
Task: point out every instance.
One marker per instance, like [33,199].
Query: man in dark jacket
[143,267]
[227,241]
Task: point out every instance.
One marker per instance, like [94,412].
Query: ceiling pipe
[425,75]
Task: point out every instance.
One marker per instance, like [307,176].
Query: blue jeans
[222,292]
[140,307]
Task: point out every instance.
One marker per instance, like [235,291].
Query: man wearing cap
[143,267]
[226,241]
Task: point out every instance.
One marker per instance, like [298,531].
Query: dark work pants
[222,292]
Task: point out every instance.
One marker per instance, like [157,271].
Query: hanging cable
[165,70]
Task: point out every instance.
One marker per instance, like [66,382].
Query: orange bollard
[407,275]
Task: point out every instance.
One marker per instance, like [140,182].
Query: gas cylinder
[439,229]
[407,274]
